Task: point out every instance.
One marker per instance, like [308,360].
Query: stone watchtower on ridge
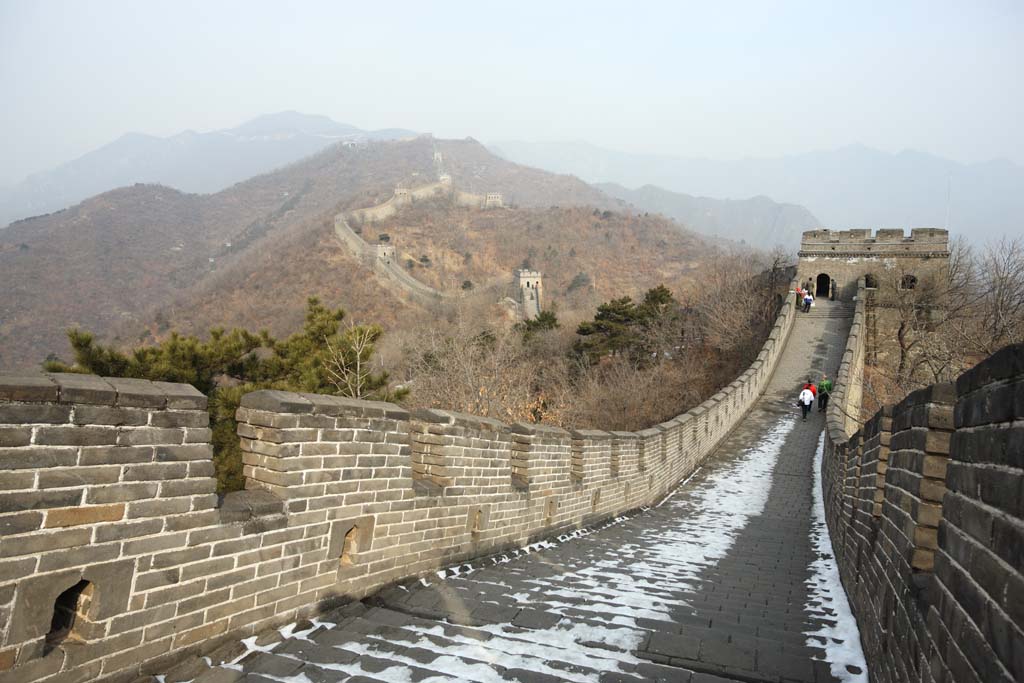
[531,289]
[834,260]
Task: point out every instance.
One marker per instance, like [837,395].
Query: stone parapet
[108,507]
[925,509]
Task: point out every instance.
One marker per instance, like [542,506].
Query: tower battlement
[920,240]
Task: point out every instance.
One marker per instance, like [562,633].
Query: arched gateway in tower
[834,260]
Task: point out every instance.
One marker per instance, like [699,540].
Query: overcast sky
[714,79]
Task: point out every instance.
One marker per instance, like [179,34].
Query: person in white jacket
[805,400]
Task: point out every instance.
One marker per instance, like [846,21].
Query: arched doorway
[823,286]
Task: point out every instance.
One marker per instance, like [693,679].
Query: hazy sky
[715,79]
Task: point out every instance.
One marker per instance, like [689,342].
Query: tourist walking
[824,389]
[804,401]
[808,300]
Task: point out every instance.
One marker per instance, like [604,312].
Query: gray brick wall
[110,482]
[926,508]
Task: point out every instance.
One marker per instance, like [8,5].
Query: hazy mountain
[853,186]
[758,221]
[188,161]
[134,262]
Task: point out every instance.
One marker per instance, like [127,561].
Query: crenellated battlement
[919,240]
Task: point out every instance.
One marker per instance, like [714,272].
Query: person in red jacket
[811,386]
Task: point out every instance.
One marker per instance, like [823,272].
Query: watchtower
[402,195]
[531,289]
[386,253]
[493,200]
[833,260]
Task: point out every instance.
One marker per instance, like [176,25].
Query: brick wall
[107,507]
[926,508]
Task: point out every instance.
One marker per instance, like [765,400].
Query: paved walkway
[715,584]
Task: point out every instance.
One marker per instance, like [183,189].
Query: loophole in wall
[70,609]
[350,547]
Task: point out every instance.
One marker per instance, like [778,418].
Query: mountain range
[188,161]
[135,262]
[853,186]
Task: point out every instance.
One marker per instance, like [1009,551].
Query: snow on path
[629,585]
[842,640]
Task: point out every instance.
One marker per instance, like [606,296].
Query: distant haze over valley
[757,221]
[852,186]
[189,161]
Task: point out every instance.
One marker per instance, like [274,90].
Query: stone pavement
[714,584]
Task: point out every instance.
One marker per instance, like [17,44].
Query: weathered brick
[15,436]
[75,388]
[75,435]
[25,413]
[187,487]
[157,507]
[121,493]
[20,522]
[156,471]
[198,434]
[180,418]
[150,545]
[38,543]
[17,569]
[182,396]
[77,557]
[37,457]
[92,514]
[204,632]
[178,557]
[14,480]
[142,436]
[115,455]
[27,388]
[166,453]
[78,476]
[108,415]
[37,500]
[128,530]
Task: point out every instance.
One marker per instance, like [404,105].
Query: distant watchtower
[402,195]
[387,253]
[493,200]
[833,260]
[531,289]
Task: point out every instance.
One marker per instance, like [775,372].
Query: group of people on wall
[805,292]
[811,391]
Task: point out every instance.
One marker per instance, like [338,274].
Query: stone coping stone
[70,387]
[465,420]
[592,434]
[1006,363]
[274,401]
[624,435]
[650,432]
[28,388]
[539,430]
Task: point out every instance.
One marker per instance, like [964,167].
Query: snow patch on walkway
[842,640]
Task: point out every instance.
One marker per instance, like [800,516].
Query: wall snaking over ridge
[108,510]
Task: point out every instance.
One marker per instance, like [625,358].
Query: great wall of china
[383,258]
[118,559]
